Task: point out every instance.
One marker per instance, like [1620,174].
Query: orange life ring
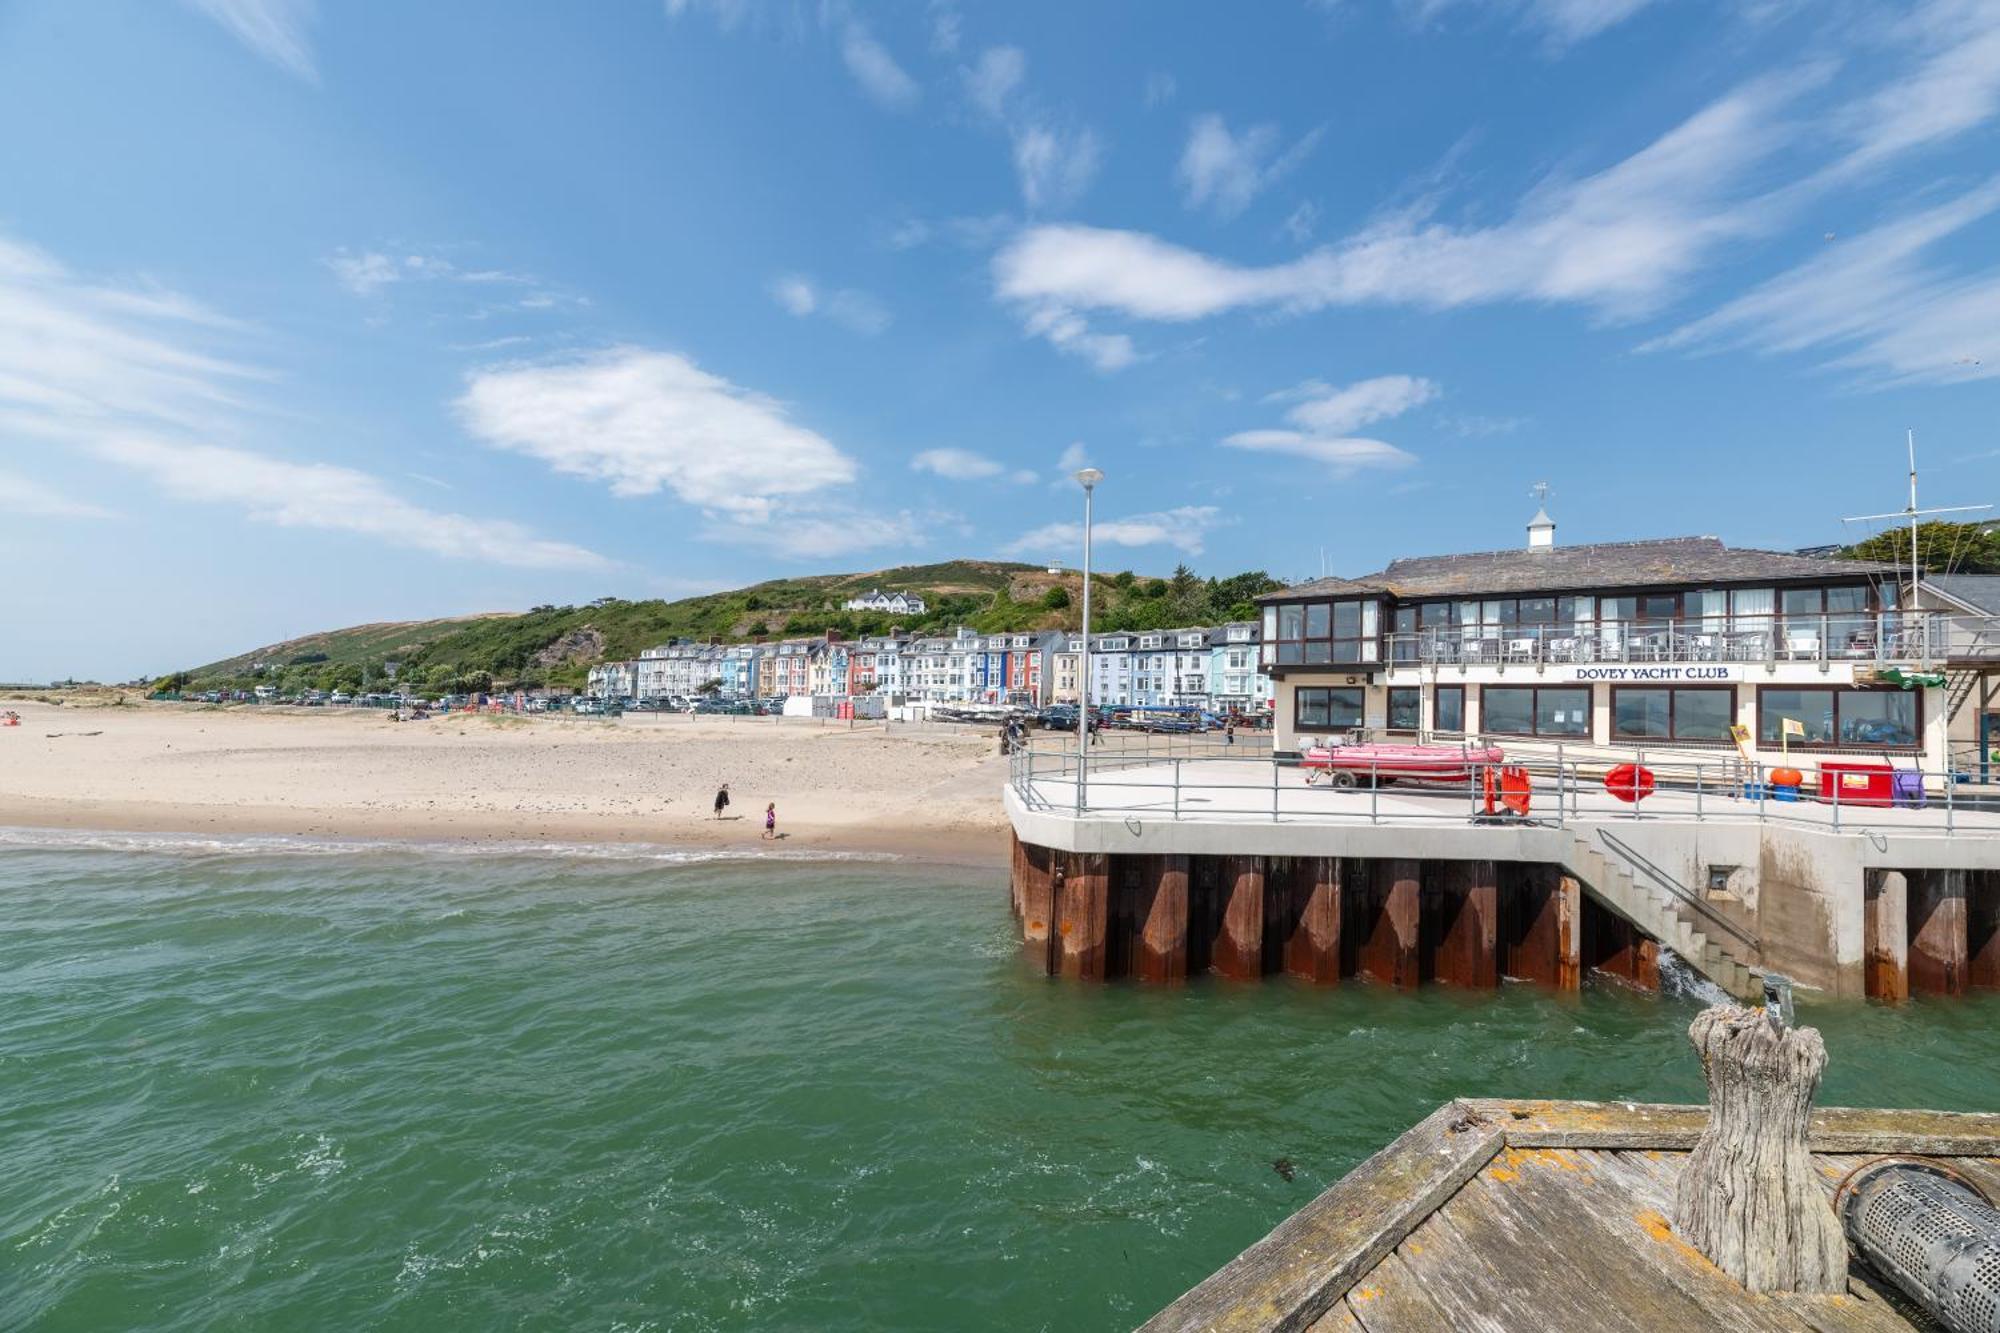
[1629,782]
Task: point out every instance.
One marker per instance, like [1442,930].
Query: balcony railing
[1881,637]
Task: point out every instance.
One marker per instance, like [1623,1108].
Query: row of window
[1821,715]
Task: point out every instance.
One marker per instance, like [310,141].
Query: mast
[1912,513]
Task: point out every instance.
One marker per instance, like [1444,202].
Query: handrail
[1828,636]
[1639,861]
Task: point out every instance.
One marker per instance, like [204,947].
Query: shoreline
[470,781]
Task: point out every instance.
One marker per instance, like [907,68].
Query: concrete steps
[1657,912]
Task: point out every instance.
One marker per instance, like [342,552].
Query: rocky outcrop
[584,644]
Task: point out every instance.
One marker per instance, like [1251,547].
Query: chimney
[1541,528]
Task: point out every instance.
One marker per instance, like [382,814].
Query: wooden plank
[1530,1123]
[1387,938]
[1467,947]
[1982,930]
[1339,1319]
[1485,1280]
[1569,933]
[1937,932]
[1162,952]
[1885,933]
[1391,1299]
[1638,1207]
[1295,1275]
[1312,942]
[1082,922]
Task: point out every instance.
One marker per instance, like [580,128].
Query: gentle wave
[249,844]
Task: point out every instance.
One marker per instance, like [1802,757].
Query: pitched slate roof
[1975,590]
[1663,562]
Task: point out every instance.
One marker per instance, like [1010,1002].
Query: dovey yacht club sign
[1703,673]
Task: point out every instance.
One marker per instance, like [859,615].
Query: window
[1535,711]
[1448,708]
[1321,633]
[1327,709]
[1406,703]
[1668,714]
[1839,717]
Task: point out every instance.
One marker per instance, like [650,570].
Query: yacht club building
[1662,645]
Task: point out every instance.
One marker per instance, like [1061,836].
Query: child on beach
[771,820]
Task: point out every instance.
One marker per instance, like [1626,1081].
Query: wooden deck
[1550,1217]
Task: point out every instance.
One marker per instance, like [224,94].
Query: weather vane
[1540,490]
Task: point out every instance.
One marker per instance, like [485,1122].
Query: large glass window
[1534,711]
[1839,717]
[1448,708]
[1406,705]
[1670,714]
[1317,709]
[1318,633]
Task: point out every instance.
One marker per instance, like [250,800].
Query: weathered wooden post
[1749,1197]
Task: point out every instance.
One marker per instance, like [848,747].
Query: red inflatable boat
[1354,765]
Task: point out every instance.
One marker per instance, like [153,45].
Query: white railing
[1197,784]
[1883,637]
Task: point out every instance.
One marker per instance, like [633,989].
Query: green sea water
[245,1088]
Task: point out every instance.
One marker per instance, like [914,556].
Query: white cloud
[854,310]
[828,531]
[875,69]
[1074,457]
[956,464]
[1563,22]
[1620,241]
[339,499]
[945,27]
[1224,171]
[1299,223]
[274,29]
[1956,87]
[1160,89]
[1328,410]
[1323,417]
[25,495]
[1068,332]
[117,373]
[364,274]
[1185,529]
[991,81]
[645,420]
[1055,166]
[368,272]
[1875,305]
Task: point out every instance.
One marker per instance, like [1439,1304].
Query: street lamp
[1088,479]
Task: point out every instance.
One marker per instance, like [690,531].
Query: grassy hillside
[556,645]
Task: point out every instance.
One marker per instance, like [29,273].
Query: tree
[1153,589]
[1183,585]
[1124,578]
[758,630]
[1056,598]
[1942,548]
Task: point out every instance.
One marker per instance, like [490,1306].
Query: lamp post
[1088,479]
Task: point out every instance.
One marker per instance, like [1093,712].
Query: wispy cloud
[336,499]
[1055,165]
[855,310]
[34,499]
[1564,23]
[885,81]
[992,79]
[274,29]
[1224,172]
[1322,418]
[965,465]
[1184,529]
[1159,89]
[1878,304]
[119,373]
[367,272]
[644,421]
[829,531]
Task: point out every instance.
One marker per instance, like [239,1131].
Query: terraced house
[1664,645]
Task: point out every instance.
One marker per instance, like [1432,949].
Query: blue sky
[312,315]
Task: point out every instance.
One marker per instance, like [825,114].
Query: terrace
[1886,637]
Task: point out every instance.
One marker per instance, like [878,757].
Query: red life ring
[1629,782]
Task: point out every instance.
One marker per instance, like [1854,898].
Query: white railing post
[1836,802]
[1697,791]
[1374,790]
[1274,780]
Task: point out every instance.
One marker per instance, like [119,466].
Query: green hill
[556,645]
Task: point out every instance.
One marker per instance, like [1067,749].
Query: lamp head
[1089,477]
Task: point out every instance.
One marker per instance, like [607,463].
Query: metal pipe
[1088,479]
[1929,1231]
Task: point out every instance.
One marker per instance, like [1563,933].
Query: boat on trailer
[1357,765]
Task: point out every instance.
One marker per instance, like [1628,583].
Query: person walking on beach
[1229,730]
[721,800]
[770,821]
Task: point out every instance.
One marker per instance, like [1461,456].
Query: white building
[892,603]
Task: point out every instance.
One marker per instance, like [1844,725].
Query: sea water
[266,1086]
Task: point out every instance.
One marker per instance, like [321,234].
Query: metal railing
[1641,864]
[1859,636]
[1183,782]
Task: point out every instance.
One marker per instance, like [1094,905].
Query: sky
[321,314]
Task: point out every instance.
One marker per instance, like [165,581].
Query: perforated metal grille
[1934,1238]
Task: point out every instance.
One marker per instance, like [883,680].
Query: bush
[1056,598]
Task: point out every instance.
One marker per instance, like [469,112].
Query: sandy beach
[931,794]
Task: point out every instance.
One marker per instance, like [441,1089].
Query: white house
[894,603]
